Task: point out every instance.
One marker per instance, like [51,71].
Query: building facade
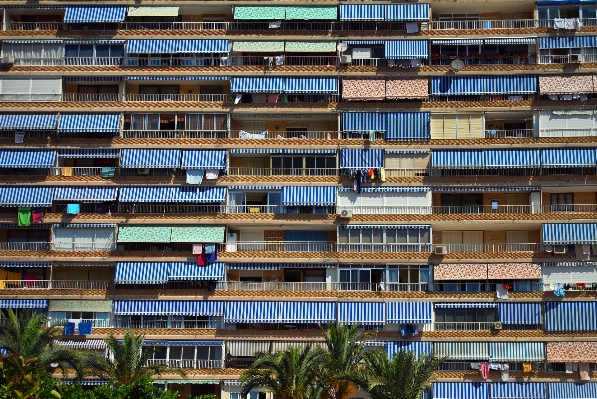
[227,178]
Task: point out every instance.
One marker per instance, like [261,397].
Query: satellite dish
[342,47]
[54,365]
[457,64]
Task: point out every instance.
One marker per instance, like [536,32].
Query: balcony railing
[30,97]
[278,60]
[470,210]
[33,25]
[177,97]
[55,284]
[178,324]
[97,323]
[174,134]
[567,59]
[285,135]
[486,60]
[25,246]
[80,97]
[187,364]
[509,133]
[246,171]
[567,132]
[464,326]
[477,24]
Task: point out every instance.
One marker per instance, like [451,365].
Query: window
[93,54]
[373,239]
[408,278]
[158,93]
[451,319]
[562,202]
[299,165]
[361,279]
[206,122]
[83,239]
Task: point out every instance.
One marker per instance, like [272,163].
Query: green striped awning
[144,233]
[203,234]
[320,13]
[259,13]
[258,47]
[310,47]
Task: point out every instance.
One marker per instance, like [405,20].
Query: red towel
[484,370]
[37,217]
[201,261]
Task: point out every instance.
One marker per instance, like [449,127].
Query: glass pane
[188,352]
[117,51]
[364,276]
[85,50]
[102,50]
[71,50]
[366,236]
[392,276]
[215,353]
[345,276]
[208,122]
[203,353]
[193,122]
[153,122]
[175,352]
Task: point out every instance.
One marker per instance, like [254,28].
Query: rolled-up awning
[460,390]
[148,11]
[109,153]
[309,196]
[512,390]
[198,234]
[251,312]
[204,159]
[571,390]
[420,348]
[568,157]
[406,49]
[569,233]
[86,194]
[307,312]
[511,40]
[144,233]
[462,350]
[141,272]
[361,159]
[166,308]
[457,42]
[146,194]
[142,158]
[409,312]
[185,271]
[567,42]
[81,123]
[366,313]
[28,121]
[199,195]
[23,303]
[26,196]
[27,158]
[88,14]
[516,351]
[247,348]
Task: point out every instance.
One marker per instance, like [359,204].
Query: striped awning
[568,157]
[190,271]
[474,85]
[204,159]
[251,312]
[569,233]
[75,123]
[309,196]
[406,49]
[567,41]
[141,272]
[27,158]
[174,78]
[26,196]
[28,121]
[460,390]
[23,303]
[90,344]
[462,350]
[457,42]
[146,194]
[91,79]
[143,158]
[570,316]
[511,84]
[514,390]
[254,266]
[283,85]
[511,40]
[420,348]
[362,12]
[364,121]
[376,42]
[458,159]
[409,312]
[516,351]
[86,14]
[571,390]
[384,189]
[366,313]
[280,151]
[483,188]
[25,264]
[517,158]
[408,126]
[166,46]
[199,195]
[86,194]
[89,153]
[361,159]
[307,312]
[165,308]
[407,12]
[85,225]
[466,305]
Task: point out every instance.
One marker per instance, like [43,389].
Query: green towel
[24,217]
[108,172]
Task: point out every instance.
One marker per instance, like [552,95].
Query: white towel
[275,24]
[505,375]
[501,292]
[212,174]
[195,176]
[559,23]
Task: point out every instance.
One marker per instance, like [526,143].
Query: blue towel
[404,330]
[210,249]
[85,328]
[69,329]
[73,209]
[560,290]
[212,257]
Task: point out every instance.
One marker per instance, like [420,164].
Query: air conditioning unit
[346,214]
[345,59]
[548,248]
[8,59]
[559,249]
[441,250]
[497,325]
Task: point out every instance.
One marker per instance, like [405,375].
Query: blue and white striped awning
[173,78]
[385,189]
[251,312]
[517,390]
[141,272]
[568,157]
[408,126]
[26,196]
[25,264]
[409,312]
[283,85]
[571,316]
[23,303]
[307,312]
[145,194]
[406,49]
[457,42]
[515,158]
[27,158]
[260,188]
[460,390]
[519,312]
[572,390]
[567,42]
[33,41]
[420,348]
[94,42]
[165,308]
[184,343]
[386,226]
[466,305]
[145,158]
[462,350]
[91,79]
[408,152]
[458,159]
[204,159]
[364,121]
[254,266]
[199,195]
[516,351]
[511,40]
[362,12]
[569,233]
[158,46]
[102,122]
[364,159]
[475,85]
[85,194]
[483,188]
[366,313]
[280,151]
[86,14]
[407,12]
[309,196]
[511,84]
[190,271]
[376,42]
[28,121]
[89,153]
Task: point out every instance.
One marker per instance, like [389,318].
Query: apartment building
[227,178]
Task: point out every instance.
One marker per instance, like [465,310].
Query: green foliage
[208,396]
[141,388]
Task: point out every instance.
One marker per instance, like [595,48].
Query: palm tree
[27,336]
[130,360]
[342,354]
[402,377]
[288,374]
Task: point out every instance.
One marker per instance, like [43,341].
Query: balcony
[174,134]
[481,326]
[485,59]
[509,133]
[247,171]
[567,58]
[550,23]
[567,132]
[484,25]
[188,364]
[172,323]
[33,25]
[96,323]
[171,208]
[286,135]
[470,210]
[177,97]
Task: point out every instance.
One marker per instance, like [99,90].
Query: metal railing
[485,60]
[30,97]
[81,97]
[170,208]
[509,133]
[178,324]
[478,24]
[83,246]
[473,209]
[246,171]
[97,323]
[567,59]
[177,97]
[25,246]
[187,364]
[33,25]
[92,60]
[174,134]
[285,135]
[133,61]
[175,25]
[567,132]
[550,23]
[277,60]
[463,326]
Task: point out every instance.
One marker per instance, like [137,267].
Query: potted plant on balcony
[480,56]
[488,56]
[443,57]
[532,55]
[435,56]
[516,56]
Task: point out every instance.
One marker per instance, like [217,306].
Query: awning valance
[569,233]
[144,233]
[309,196]
[146,194]
[87,14]
[28,121]
[361,159]
[165,46]
[406,49]
[26,196]
[141,272]
[570,316]
[387,189]
[570,390]
[89,153]
[143,158]
[307,312]
[86,194]
[204,159]
[466,305]
[409,312]
[284,85]
[567,42]
[25,264]
[254,266]
[190,271]
[276,151]
[460,390]
[457,42]
[199,195]
[23,303]
[568,157]
[512,40]
[198,234]
[247,348]
[148,11]
[512,390]
[81,123]
[165,308]
[571,352]
[366,313]
[27,158]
